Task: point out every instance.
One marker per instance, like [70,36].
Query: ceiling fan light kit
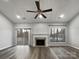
[40,16]
[39,11]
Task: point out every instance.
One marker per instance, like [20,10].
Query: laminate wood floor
[26,52]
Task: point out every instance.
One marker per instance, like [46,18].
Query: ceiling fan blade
[36,16]
[43,15]
[37,4]
[48,10]
[31,11]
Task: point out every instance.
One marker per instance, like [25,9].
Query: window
[23,36]
[57,34]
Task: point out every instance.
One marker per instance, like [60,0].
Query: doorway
[23,36]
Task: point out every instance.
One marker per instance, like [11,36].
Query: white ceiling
[11,8]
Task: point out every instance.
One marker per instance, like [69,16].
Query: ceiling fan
[39,11]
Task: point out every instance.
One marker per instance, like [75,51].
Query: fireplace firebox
[40,41]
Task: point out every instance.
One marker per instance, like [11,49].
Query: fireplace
[40,41]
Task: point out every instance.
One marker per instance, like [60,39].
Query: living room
[25,35]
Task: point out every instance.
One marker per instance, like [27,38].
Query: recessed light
[19,17]
[61,16]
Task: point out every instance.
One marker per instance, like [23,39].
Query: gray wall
[40,28]
[6,33]
[74,32]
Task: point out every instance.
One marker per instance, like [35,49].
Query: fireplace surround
[40,40]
